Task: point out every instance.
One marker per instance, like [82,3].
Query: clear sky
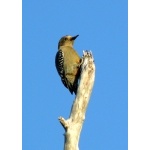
[102,28]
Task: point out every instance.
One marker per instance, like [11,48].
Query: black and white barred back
[59,63]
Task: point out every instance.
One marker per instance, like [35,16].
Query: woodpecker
[67,63]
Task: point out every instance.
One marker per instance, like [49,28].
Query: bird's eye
[65,39]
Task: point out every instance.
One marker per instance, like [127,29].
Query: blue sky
[102,28]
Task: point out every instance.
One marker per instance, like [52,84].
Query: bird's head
[67,41]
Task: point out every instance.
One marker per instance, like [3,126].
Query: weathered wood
[74,124]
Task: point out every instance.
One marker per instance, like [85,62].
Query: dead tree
[73,125]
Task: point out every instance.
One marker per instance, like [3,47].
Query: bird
[67,62]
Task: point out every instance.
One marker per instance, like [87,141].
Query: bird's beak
[74,37]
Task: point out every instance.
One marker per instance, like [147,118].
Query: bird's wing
[59,62]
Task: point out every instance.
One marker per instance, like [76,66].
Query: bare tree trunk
[73,125]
